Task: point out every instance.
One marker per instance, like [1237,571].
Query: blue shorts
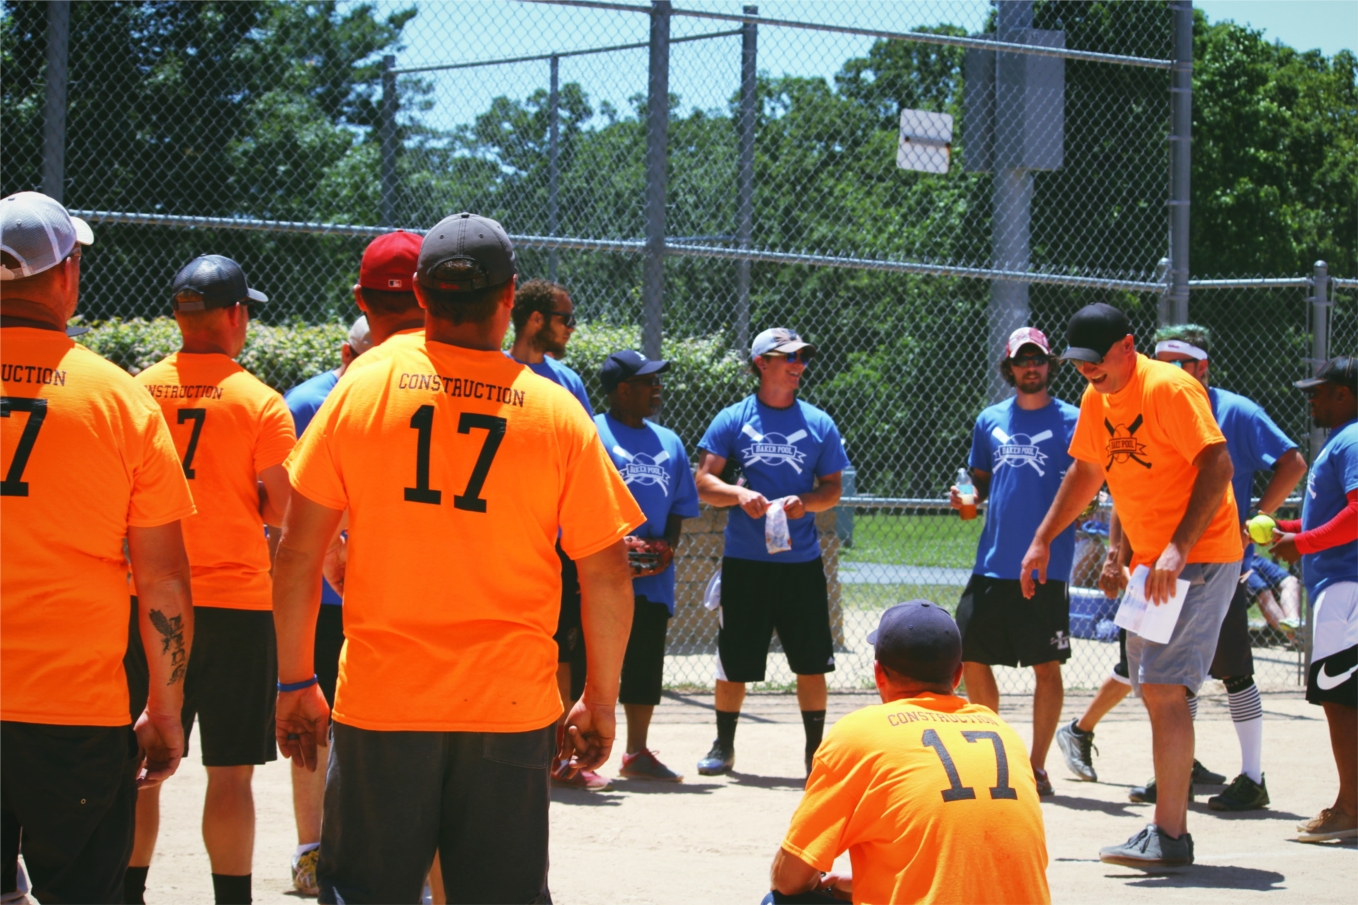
[1265,574]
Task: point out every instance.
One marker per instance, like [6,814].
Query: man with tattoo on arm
[459,469]
[232,433]
[88,462]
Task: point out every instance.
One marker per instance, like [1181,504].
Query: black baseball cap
[465,252]
[212,281]
[625,365]
[918,639]
[1093,330]
[1342,371]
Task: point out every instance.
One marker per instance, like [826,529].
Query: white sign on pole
[926,141]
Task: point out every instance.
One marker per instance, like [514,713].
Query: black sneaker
[1152,847]
[719,760]
[1205,777]
[1076,747]
[1044,784]
[1146,794]
[1243,794]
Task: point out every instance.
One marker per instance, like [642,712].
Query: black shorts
[1234,657]
[232,686]
[1000,627]
[643,666]
[759,598]
[479,798]
[71,792]
[1120,668]
[570,633]
[134,664]
[1327,690]
[329,643]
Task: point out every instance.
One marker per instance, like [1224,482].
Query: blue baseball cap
[625,365]
[918,639]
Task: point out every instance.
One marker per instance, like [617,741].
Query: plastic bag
[776,538]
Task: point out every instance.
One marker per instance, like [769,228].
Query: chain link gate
[693,177]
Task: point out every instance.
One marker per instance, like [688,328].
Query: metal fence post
[745,127]
[1180,155]
[1320,352]
[657,136]
[54,109]
[387,214]
[553,158]
[1013,188]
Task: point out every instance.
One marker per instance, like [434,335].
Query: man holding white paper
[1147,429]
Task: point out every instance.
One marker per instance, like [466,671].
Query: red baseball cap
[389,262]
[1024,336]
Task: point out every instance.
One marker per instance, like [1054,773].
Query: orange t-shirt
[1145,438]
[457,468]
[933,798]
[228,427]
[85,456]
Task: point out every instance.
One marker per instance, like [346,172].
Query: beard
[544,340]
[1033,384]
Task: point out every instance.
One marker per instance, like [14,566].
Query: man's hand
[1114,577]
[336,562]
[955,497]
[753,503]
[1160,583]
[1039,552]
[794,507]
[588,739]
[302,724]
[648,557]
[838,885]
[160,747]
[1285,546]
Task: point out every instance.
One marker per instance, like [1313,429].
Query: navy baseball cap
[625,365]
[918,639]
[1093,330]
[1342,371]
[212,281]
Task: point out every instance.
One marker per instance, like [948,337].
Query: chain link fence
[902,183]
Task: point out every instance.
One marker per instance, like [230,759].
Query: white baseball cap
[36,234]
[360,337]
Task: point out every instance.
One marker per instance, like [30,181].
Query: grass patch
[877,597]
[914,540]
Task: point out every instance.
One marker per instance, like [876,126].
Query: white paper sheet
[1136,614]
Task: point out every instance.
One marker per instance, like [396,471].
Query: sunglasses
[801,356]
[567,318]
[1030,361]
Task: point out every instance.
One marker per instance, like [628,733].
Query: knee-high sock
[1247,713]
[1193,707]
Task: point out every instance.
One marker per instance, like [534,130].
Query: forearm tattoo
[172,643]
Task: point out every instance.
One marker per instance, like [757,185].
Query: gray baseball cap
[37,234]
[465,252]
[778,339]
[212,281]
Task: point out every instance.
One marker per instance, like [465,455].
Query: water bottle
[968,494]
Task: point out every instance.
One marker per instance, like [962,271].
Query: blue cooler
[1088,608]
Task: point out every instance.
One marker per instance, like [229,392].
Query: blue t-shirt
[304,400]
[1254,442]
[1027,454]
[561,375]
[655,468]
[1334,474]
[782,452]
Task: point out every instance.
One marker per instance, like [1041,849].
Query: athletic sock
[231,890]
[1247,712]
[1193,707]
[1075,728]
[814,722]
[134,885]
[726,727]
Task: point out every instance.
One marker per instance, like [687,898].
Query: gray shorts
[1187,657]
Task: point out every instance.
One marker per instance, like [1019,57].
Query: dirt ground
[712,839]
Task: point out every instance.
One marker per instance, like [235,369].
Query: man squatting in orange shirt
[88,464]
[933,797]
[447,454]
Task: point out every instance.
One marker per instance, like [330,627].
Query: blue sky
[706,73]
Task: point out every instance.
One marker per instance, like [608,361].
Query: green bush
[704,375]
